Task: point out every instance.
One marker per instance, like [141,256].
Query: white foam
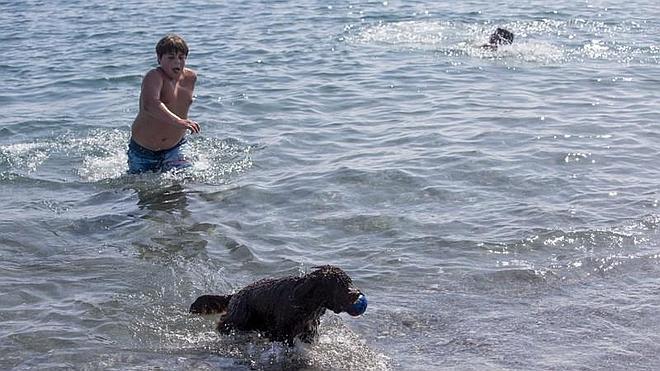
[25,157]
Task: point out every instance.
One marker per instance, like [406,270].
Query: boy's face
[173,63]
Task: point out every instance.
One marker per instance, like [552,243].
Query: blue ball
[359,307]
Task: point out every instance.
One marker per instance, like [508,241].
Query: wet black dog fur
[282,309]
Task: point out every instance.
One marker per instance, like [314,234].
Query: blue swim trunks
[142,159]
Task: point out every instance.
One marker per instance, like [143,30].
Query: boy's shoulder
[154,73]
[189,77]
[188,73]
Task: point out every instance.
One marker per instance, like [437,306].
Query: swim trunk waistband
[137,147]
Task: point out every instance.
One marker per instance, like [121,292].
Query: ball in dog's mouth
[358,307]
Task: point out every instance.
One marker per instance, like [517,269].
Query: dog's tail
[210,304]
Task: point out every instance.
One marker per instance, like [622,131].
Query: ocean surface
[500,209]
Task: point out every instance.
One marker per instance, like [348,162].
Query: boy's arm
[153,106]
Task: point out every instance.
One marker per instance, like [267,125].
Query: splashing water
[542,41]
[101,155]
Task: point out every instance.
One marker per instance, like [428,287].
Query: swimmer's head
[501,36]
[171,43]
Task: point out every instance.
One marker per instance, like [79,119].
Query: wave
[578,254]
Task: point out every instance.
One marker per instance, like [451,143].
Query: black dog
[501,36]
[285,308]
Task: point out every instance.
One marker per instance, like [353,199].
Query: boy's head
[501,36]
[171,43]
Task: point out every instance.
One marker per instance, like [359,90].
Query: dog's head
[329,287]
[501,36]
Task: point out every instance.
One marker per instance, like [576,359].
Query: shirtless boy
[159,129]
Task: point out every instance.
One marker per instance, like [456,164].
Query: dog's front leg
[310,331]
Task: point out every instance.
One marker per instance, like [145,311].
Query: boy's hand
[191,125]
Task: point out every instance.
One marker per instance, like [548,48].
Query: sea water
[499,209]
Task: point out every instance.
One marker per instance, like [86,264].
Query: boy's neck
[165,73]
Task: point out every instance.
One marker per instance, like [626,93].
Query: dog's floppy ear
[308,291]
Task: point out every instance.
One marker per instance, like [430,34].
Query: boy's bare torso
[177,95]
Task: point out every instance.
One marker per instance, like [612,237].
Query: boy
[159,129]
[501,36]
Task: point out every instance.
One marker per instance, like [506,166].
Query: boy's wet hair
[501,36]
[171,43]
